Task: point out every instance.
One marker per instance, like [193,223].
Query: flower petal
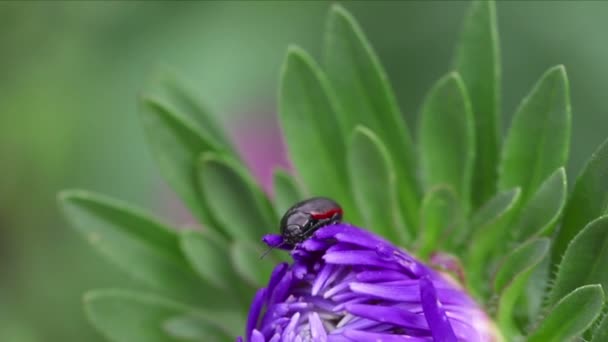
[387,314]
[254,312]
[365,258]
[365,336]
[317,330]
[257,336]
[435,315]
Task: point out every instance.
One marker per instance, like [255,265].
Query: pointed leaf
[207,252]
[372,179]
[585,260]
[511,280]
[447,137]
[246,261]
[478,62]
[138,244]
[489,227]
[440,218]
[167,87]
[237,202]
[600,334]
[123,316]
[126,316]
[588,200]
[192,328]
[314,137]
[571,315]
[539,137]
[494,208]
[541,213]
[176,144]
[287,191]
[366,99]
[519,260]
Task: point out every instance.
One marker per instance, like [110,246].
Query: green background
[70,74]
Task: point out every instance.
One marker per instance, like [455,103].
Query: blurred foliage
[71,73]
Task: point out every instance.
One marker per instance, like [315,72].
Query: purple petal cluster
[347,284]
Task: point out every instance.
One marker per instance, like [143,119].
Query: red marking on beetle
[326,214]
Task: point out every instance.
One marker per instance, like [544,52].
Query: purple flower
[347,284]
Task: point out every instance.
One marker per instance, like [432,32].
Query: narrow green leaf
[123,316]
[176,144]
[529,306]
[494,208]
[366,99]
[167,87]
[600,334]
[207,252]
[372,179]
[441,217]
[539,137]
[287,191]
[588,200]
[541,213]
[571,315]
[245,257]
[585,260]
[489,231]
[511,280]
[142,247]
[193,328]
[126,316]
[519,260]
[447,142]
[237,202]
[314,137]
[477,59]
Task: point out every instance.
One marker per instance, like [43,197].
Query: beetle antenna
[271,248]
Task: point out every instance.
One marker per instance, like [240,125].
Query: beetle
[305,217]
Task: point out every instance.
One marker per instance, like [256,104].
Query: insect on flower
[304,218]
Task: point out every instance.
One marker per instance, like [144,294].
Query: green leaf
[541,213]
[246,260]
[571,315]
[511,280]
[519,260]
[372,179]
[142,247]
[207,252]
[366,99]
[477,60]
[192,328]
[447,142]
[314,137]
[167,87]
[600,334]
[585,260]
[130,317]
[440,218]
[488,227]
[287,191]
[539,137]
[494,209]
[588,200]
[126,316]
[176,144]
[239,205]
